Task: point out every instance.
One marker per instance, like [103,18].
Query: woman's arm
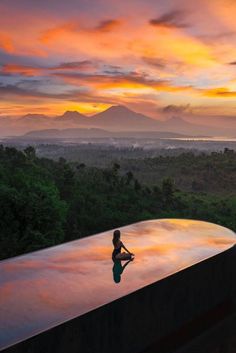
[126,249]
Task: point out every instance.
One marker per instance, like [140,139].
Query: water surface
[45,288]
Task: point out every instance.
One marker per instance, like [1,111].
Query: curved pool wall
[70,298]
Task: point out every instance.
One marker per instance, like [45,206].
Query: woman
[117,254]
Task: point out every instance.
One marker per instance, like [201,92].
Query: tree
[168,190]
[30,152]
[129,177]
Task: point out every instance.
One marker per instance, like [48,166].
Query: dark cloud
[85,65]
[172,19]
[113,72]
[176,109]
[107,25]
[156,62]
[6,58]
[4,74]
[112,77]
[31,82]
[31,71]
[75,65]
[17,90]
[232,63]
[26,94]
[112,67]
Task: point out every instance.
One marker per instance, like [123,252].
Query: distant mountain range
[96,133]
[114,119]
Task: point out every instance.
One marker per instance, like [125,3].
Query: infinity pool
[45,288]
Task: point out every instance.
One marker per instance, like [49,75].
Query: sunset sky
[152,56]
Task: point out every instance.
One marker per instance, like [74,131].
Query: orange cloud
[6,43]
[21,70]
[26,70]
[56,32]
[220,92]
[66,29]
[122,81]
[224,12]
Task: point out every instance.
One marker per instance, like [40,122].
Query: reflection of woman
[118,269]
[117,254]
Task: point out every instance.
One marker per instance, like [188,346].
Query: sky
[153,56]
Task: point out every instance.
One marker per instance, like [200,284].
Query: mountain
[123,119]
[180,125]
[120,118]
[115,118]
[33,118]
[96,133]
[177,124]
[67,133]
[73,117]
[30,122]
[5,126]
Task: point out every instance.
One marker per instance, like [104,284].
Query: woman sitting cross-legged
[117,254]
